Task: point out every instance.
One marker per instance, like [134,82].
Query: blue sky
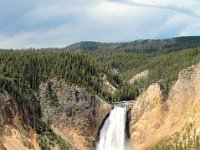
[58,23]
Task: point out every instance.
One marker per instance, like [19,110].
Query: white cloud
[59,23]
[192,29]
[17,41]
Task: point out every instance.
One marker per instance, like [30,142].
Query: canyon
[77,116]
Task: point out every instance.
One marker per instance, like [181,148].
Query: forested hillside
[163,67]
[148,45]
[92,69]
[30,68]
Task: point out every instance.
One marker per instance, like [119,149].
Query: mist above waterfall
[113,134]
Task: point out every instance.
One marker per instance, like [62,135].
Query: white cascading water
[112,135]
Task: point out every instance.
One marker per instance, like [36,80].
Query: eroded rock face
[17,118]
[153,119]
[138,76]
[146,115]
[73,113]
[27,111]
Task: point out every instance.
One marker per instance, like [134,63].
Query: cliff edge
[73,113]
[155,118]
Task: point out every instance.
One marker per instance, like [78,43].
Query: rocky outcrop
[17,118]
[15,139]
[73,113]
[154,119]
[107,87]
[138,76]
[147,115]
[18,112]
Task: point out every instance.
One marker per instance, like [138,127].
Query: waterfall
[112,135]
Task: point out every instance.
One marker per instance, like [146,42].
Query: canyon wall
[155,117]
[74,114]
[71,112]
[17,121]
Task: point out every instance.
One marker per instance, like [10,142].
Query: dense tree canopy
[87,68]
[30,68]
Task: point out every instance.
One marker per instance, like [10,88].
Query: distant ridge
[148,45]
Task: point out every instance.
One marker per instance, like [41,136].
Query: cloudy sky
[58,23]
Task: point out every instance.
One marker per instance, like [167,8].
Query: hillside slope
[62,116]
[18,116]
[148,45]
[170,120]
[73,113]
